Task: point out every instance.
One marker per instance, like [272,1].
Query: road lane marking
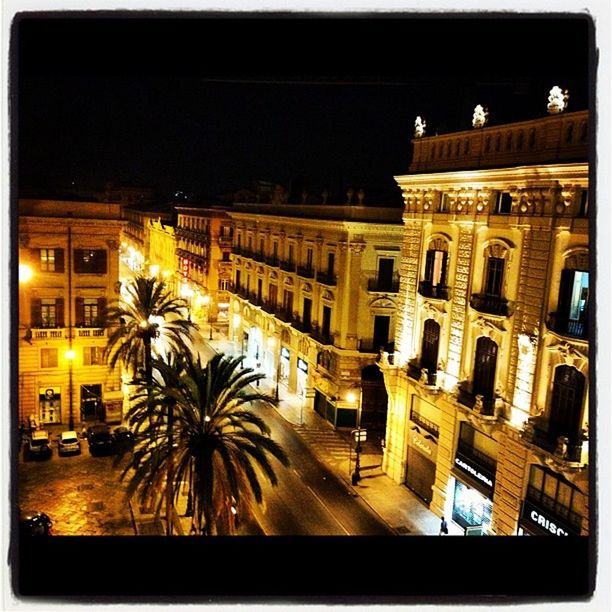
[328,510]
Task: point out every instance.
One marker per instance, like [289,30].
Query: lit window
[48,358]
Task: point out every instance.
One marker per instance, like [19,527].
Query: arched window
[572,314]
[434,283]
[485,364]
[566,403]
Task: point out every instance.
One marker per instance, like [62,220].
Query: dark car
[100,440]
[35,523]
[123,437]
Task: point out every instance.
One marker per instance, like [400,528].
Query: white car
[68,442]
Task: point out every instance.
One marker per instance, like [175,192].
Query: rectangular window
[47,260]
[273,294]
[444,203]
[48,313]
[237,280]
[275,250]
[584,203]
[307,313]
[90,261]
[90,312]
[288,301]
[92,355]
[580,296]
[261,246]
[48,358]
[291,254]
[331,261]
[503,206]
[494,277]
[309,259]
[224,284]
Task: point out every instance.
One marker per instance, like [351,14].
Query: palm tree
[215,442]
[147,312]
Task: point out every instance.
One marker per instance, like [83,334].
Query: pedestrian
[443,527]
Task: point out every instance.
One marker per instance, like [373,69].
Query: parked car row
[101,440]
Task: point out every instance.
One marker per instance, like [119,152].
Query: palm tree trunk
[149,379]
[170,474]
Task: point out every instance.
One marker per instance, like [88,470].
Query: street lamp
[70,354]
[208,303]
[25,273]
[351,397]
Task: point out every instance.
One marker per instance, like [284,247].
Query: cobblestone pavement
[82,494]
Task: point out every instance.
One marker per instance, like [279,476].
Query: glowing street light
[25,273]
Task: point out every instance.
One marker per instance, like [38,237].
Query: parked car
[100,440]
[123,434]
[35,523]
[68,442]
[39,445]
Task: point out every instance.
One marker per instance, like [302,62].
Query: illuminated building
[488,384]
[70,251]
[203,247]
[162,252]
[315,296]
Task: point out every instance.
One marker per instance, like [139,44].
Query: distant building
[203,266]
[489,382]
[69,270]
[314,301]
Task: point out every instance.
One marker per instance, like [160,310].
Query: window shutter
[59,312]
[36,312]
[565,294]
[79,308]
[100,265]
[101,312]
[429,265]
[59,260]
[444,265]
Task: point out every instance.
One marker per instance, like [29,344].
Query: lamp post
[70,357]
[207,301]
[351,397]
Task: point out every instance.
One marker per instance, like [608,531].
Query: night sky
[209,105]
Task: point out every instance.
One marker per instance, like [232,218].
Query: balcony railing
[375,284]
[491,304]
[258,257]
[437,292]
[39,333]
[566,327]
[284,314]
[287,266]
[372,346]
[306,272]
[324,337]
[301,325]
[484,461]
[272,261]
[90,332]
[327,279]
[467,398]
[549,442]
[554,507]
[415,371]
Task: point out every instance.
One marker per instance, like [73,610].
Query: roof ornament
[481,116]
[557,100]
[419,127]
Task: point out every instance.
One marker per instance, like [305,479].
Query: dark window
[494,276]
[225,256]
[288,301]
[552,492]
[435,267]
[273,294]
[259,288]
[91,402]
[381,331]
[51,260]
[566,403]
[261,247]
[444,204]
[385,274]
[90,261]
[331,260]
[326,324]
[237,280]
[484,367]
[275,250]
[429,348]
[504,203]
[584,203]
[89,311]
[291,255]
[309,259]
[307,313]
[573,302]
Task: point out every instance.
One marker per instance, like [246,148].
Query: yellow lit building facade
[162,252]
[489,383]
[203,265]
[315,292]
[69,270]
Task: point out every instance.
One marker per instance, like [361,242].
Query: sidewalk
[401,509]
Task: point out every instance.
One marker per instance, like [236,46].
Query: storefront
[536,520]
[285,359]
[421,462]
[472,495]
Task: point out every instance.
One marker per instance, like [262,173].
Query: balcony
[374,284]
[568,449]
[566,327]
[90,332]
[260,257]
[327,279]
[301,325]
[539,498]
[225,241]
[373,346]
[487,465]
[306,272]
[50,333]
[272,261]
[491,304]
[417,372]
[284,314]
[466,397]
[322,336]
[287,266]
[437,292]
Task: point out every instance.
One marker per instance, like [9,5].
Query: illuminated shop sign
[532,515]
[425,443]
[284,353]
[185,268]
[474,471]
[302,365]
